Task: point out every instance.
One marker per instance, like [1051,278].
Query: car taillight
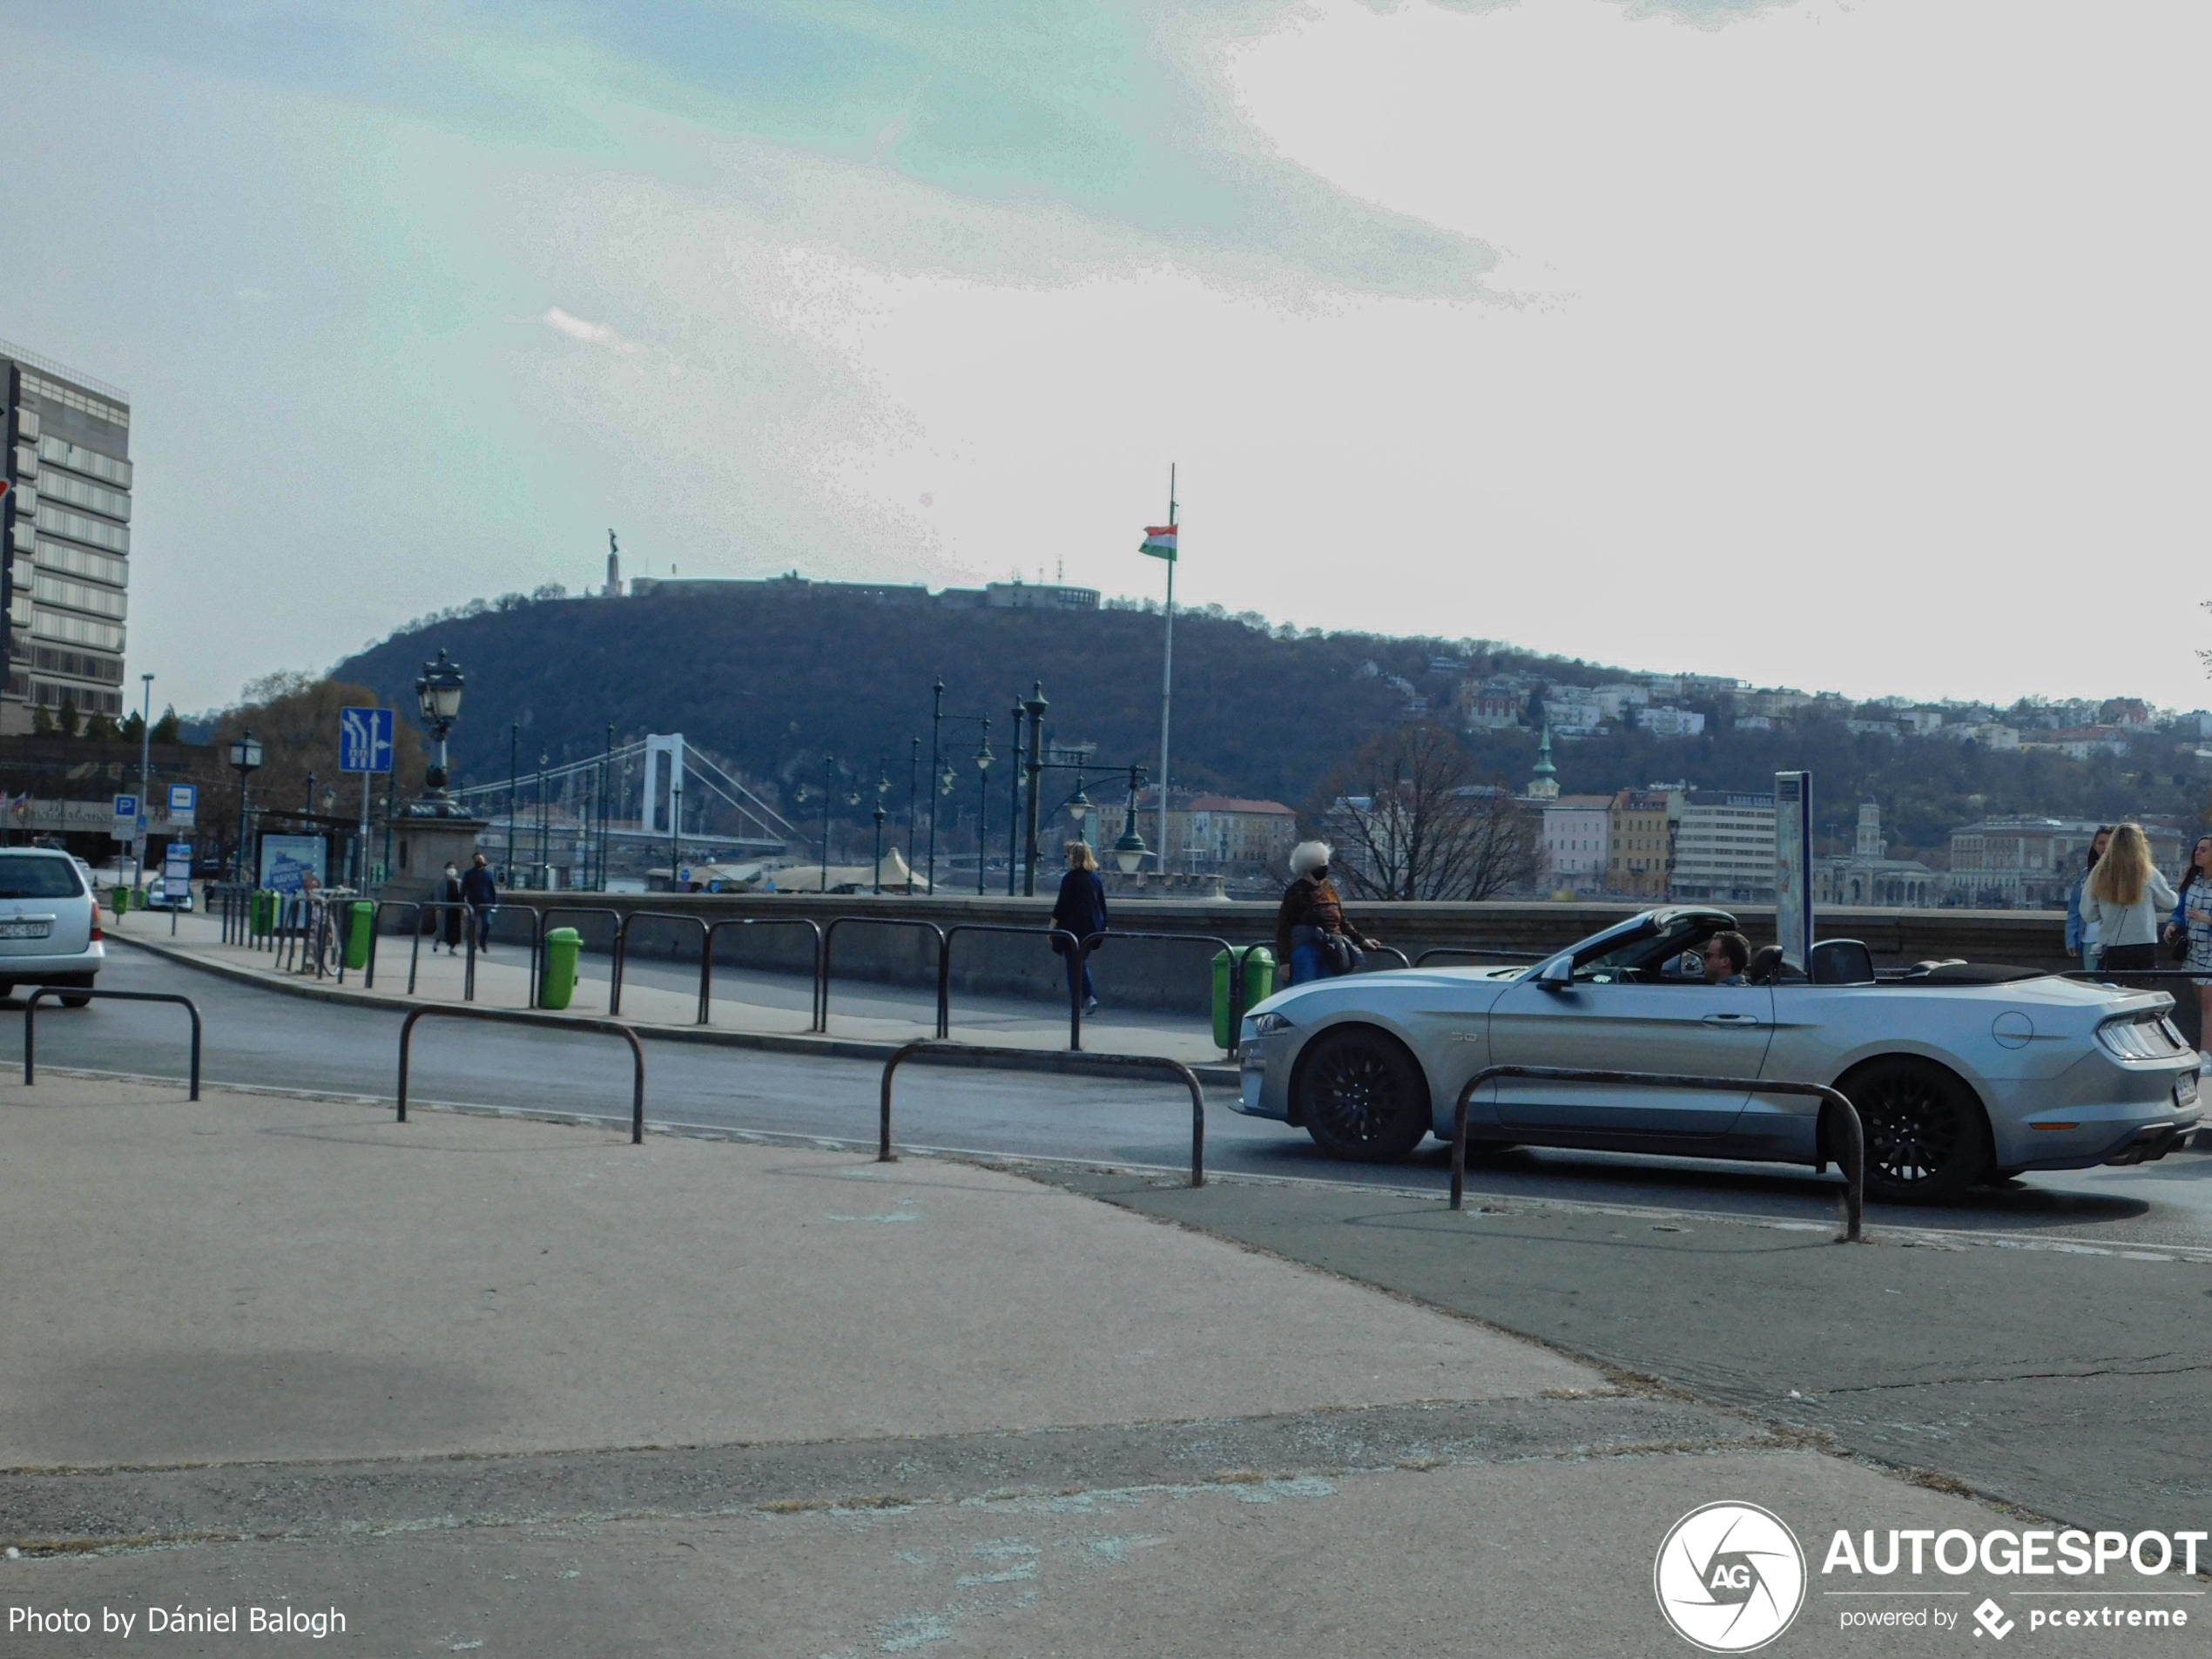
[96,926]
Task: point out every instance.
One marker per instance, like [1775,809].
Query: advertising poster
[288,860]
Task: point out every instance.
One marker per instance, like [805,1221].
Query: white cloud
[577,328]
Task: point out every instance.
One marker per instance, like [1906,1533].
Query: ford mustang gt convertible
[1960,1073]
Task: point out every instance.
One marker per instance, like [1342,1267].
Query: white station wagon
[50,923]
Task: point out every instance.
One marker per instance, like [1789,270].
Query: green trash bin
[558,984]
[261,912]
[1260,983]
[119,900]
[357,934]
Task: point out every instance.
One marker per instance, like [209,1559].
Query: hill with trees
[774,677]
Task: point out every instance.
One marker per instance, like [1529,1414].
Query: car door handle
[1733,1019]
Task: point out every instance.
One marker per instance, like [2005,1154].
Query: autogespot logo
[1730,1577]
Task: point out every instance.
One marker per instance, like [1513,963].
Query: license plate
[25,929]
[2185,1090]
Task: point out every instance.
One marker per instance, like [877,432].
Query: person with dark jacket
[447,928]
[1081,910]
[481,893]
[1311,917]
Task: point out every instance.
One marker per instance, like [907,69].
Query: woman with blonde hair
[1081,910]
[2128,900]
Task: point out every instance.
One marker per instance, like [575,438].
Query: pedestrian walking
[1081,910]
[2082,935]
[2129,902]
[481,893]
[2190,928]
[1311,932]
[448,921]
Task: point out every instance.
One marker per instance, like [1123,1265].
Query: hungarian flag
[1159,541]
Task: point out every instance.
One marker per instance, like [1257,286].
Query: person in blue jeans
[481,893]
[1081,910]
[2080,934]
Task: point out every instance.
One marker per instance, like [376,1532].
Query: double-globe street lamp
[940,767]
[246,760]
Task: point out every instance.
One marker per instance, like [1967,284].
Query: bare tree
[1413,816]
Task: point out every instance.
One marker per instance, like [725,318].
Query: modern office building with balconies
[66,570]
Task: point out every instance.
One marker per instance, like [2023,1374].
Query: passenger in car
[1727,955]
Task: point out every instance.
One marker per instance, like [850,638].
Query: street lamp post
[983,758]
[675,838]
[914,804]
[1129,852]
[437,693]
[936,720]
[1036,705]
[1014,806]
[146,756]
[514,763]
[544,822]
[246,760]
[882,788]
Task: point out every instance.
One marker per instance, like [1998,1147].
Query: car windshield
[26,877]
[1645,956]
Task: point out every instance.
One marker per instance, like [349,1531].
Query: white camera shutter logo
[1730,1577]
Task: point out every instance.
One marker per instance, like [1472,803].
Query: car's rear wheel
[1362,1097]
[1926,1138]
[66,999]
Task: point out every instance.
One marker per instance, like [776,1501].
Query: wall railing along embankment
[1177,975]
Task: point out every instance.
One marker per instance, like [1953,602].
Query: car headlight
[1266,1025]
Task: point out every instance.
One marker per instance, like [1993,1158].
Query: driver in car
[1727,955]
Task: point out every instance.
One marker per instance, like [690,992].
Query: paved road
[260,1037]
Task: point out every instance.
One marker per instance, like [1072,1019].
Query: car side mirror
[1558,975]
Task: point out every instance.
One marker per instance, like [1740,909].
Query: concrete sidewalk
[508,1387]
[660,996]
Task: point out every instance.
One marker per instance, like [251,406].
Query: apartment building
[1571,851]
[66,571]
[1640,836]
[1725,848]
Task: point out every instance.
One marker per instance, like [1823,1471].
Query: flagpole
[1167,677]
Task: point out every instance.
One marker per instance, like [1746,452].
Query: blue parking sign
[365,739]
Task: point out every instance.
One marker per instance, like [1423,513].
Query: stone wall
[1176,975]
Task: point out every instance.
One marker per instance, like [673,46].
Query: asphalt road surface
[263,1038]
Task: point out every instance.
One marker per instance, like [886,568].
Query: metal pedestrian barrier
[622,953]
[829,940]
[518,1016]
[944,972]
[30,1021]
[1236,978]
[818,1013]
[1127,1062]
[1853,1157]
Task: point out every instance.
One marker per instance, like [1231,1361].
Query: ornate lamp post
[1129,852]
[984,758]
[437,693]
[882,788]
[246,760]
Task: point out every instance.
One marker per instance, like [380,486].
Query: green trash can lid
[564,936]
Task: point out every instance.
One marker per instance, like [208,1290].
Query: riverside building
[66,568]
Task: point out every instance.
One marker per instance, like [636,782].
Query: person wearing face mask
[1311,932]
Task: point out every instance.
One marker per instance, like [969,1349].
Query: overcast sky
[1845,346]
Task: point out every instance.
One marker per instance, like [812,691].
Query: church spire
[1545,785]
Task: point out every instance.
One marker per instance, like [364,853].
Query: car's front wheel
[1362,1097]
[1926,1138]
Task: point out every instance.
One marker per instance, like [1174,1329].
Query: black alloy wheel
[1927,1139]
[1362,1095]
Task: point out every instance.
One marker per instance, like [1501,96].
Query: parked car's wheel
[1926,1138]
[1362,1097]
[67,1001]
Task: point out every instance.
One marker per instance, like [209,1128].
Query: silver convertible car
[1960,1073]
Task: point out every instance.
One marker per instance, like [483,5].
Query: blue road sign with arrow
[365,739]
